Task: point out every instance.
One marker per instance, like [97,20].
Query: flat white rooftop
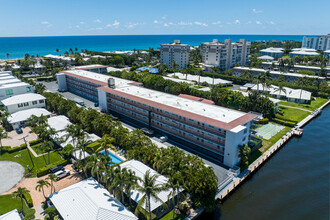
[12,215]
[211,111]
[17,99]
[59,123]
[93,66]
[100,77]
[6,76]
[25,114]
[89,200]
[13,85]
[272,50]
[9,81]
[201,79]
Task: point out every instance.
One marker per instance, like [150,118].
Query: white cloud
[97,21]
[164,17]
[165,25]
[115,24]
[156,22]
[46,23]
[272,22]
[200,23]
[256,11]
[170,23]
[258,22]
[82,22]
[131,25]
[237,22]
[216,22]
[183,23]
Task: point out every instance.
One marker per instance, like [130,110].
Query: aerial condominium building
[273,52]
[209,129]
[317,43]
[225,55]
[175,52]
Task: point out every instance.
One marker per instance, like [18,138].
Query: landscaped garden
[9,203]
[311,107]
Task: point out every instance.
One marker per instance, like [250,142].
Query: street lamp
[23,138]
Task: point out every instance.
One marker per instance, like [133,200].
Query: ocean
[18,46]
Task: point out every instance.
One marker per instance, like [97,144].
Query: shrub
[286,122]
[35,142]
[45,170]
[263,121]
[13,149]
[92,147]
[28,199]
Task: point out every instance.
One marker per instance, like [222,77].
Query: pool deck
[117,154]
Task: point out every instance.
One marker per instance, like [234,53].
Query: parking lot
[52,87]
[13,139]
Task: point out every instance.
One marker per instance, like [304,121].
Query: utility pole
[23,138]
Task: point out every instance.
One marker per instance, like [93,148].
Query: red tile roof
[210,121]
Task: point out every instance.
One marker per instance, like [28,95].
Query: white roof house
[265,57]
[89,200]
[23,102]
[18,118]
[12,215]
[303,52]
[59,123]
[200,79]
[140,169]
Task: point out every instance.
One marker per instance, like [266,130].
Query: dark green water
[293,184]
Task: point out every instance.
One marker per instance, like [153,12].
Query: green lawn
[314,104]
[38,149]
[169,216]
[25,160]
[8,203]
[293,114]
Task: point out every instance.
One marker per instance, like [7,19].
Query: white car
[62,173]
[163,139]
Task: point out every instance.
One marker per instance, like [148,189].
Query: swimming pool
[113,157]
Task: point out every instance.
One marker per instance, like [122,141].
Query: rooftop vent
[111,83]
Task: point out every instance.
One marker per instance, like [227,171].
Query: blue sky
[108,17]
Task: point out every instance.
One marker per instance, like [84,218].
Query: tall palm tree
[174,184]
[149,188]
[257,81]
[73,131]
[52,177]
[19,194]
[131,183]
[119,182]
[106,142]
[3,134]
[82,142]
[280,89]
[40,186]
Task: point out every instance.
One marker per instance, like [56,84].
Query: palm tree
[3,134]
[106,142]
[73,131]
[246,74]
[175,66]
[83,141]
[119,182]
[149,188]
[19,194]
[280,89]
[40,186]
[52,177]
[174,184]
[257,80]
[131,183]
[57,50]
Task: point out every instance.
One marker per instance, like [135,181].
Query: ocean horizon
[43,45]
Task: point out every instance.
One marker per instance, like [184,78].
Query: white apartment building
[303,52]
[225,55]
[273,52]
[317,43]
[23,102]
[177,52]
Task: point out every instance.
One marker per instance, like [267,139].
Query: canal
[293,184]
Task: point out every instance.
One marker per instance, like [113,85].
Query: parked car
[55,169]
[147,131]
[19,130]
[163,138]
[62,173]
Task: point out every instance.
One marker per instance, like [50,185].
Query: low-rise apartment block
[273,52]
[23,102]
[317,43]
[95,68]
[225,55]
[209,129]
[289,77]
[177,52]
[303,52]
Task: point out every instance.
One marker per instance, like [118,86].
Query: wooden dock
[228,188]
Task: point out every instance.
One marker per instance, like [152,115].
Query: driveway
[37,197]
[13,139]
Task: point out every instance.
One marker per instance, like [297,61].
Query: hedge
[263,121]
[286,123]
[28,199]
[285,119]
[35,142]
[8,149]
[92,147]
[45,170]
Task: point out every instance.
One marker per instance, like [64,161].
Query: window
[41,101]
[28,89]
[20,105]
[26,104]
[34,102]
[9,92]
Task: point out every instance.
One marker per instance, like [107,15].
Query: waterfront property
[317,43]
[303,52]
[289,77]
[23,102]
[19,118]
[175,52]
[88,199]
[225,55]
[95,68]
[269,130]
[292,95]
[140,169]
[209,129]
[273,52]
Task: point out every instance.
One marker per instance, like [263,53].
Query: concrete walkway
[40,214]
[296,108]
